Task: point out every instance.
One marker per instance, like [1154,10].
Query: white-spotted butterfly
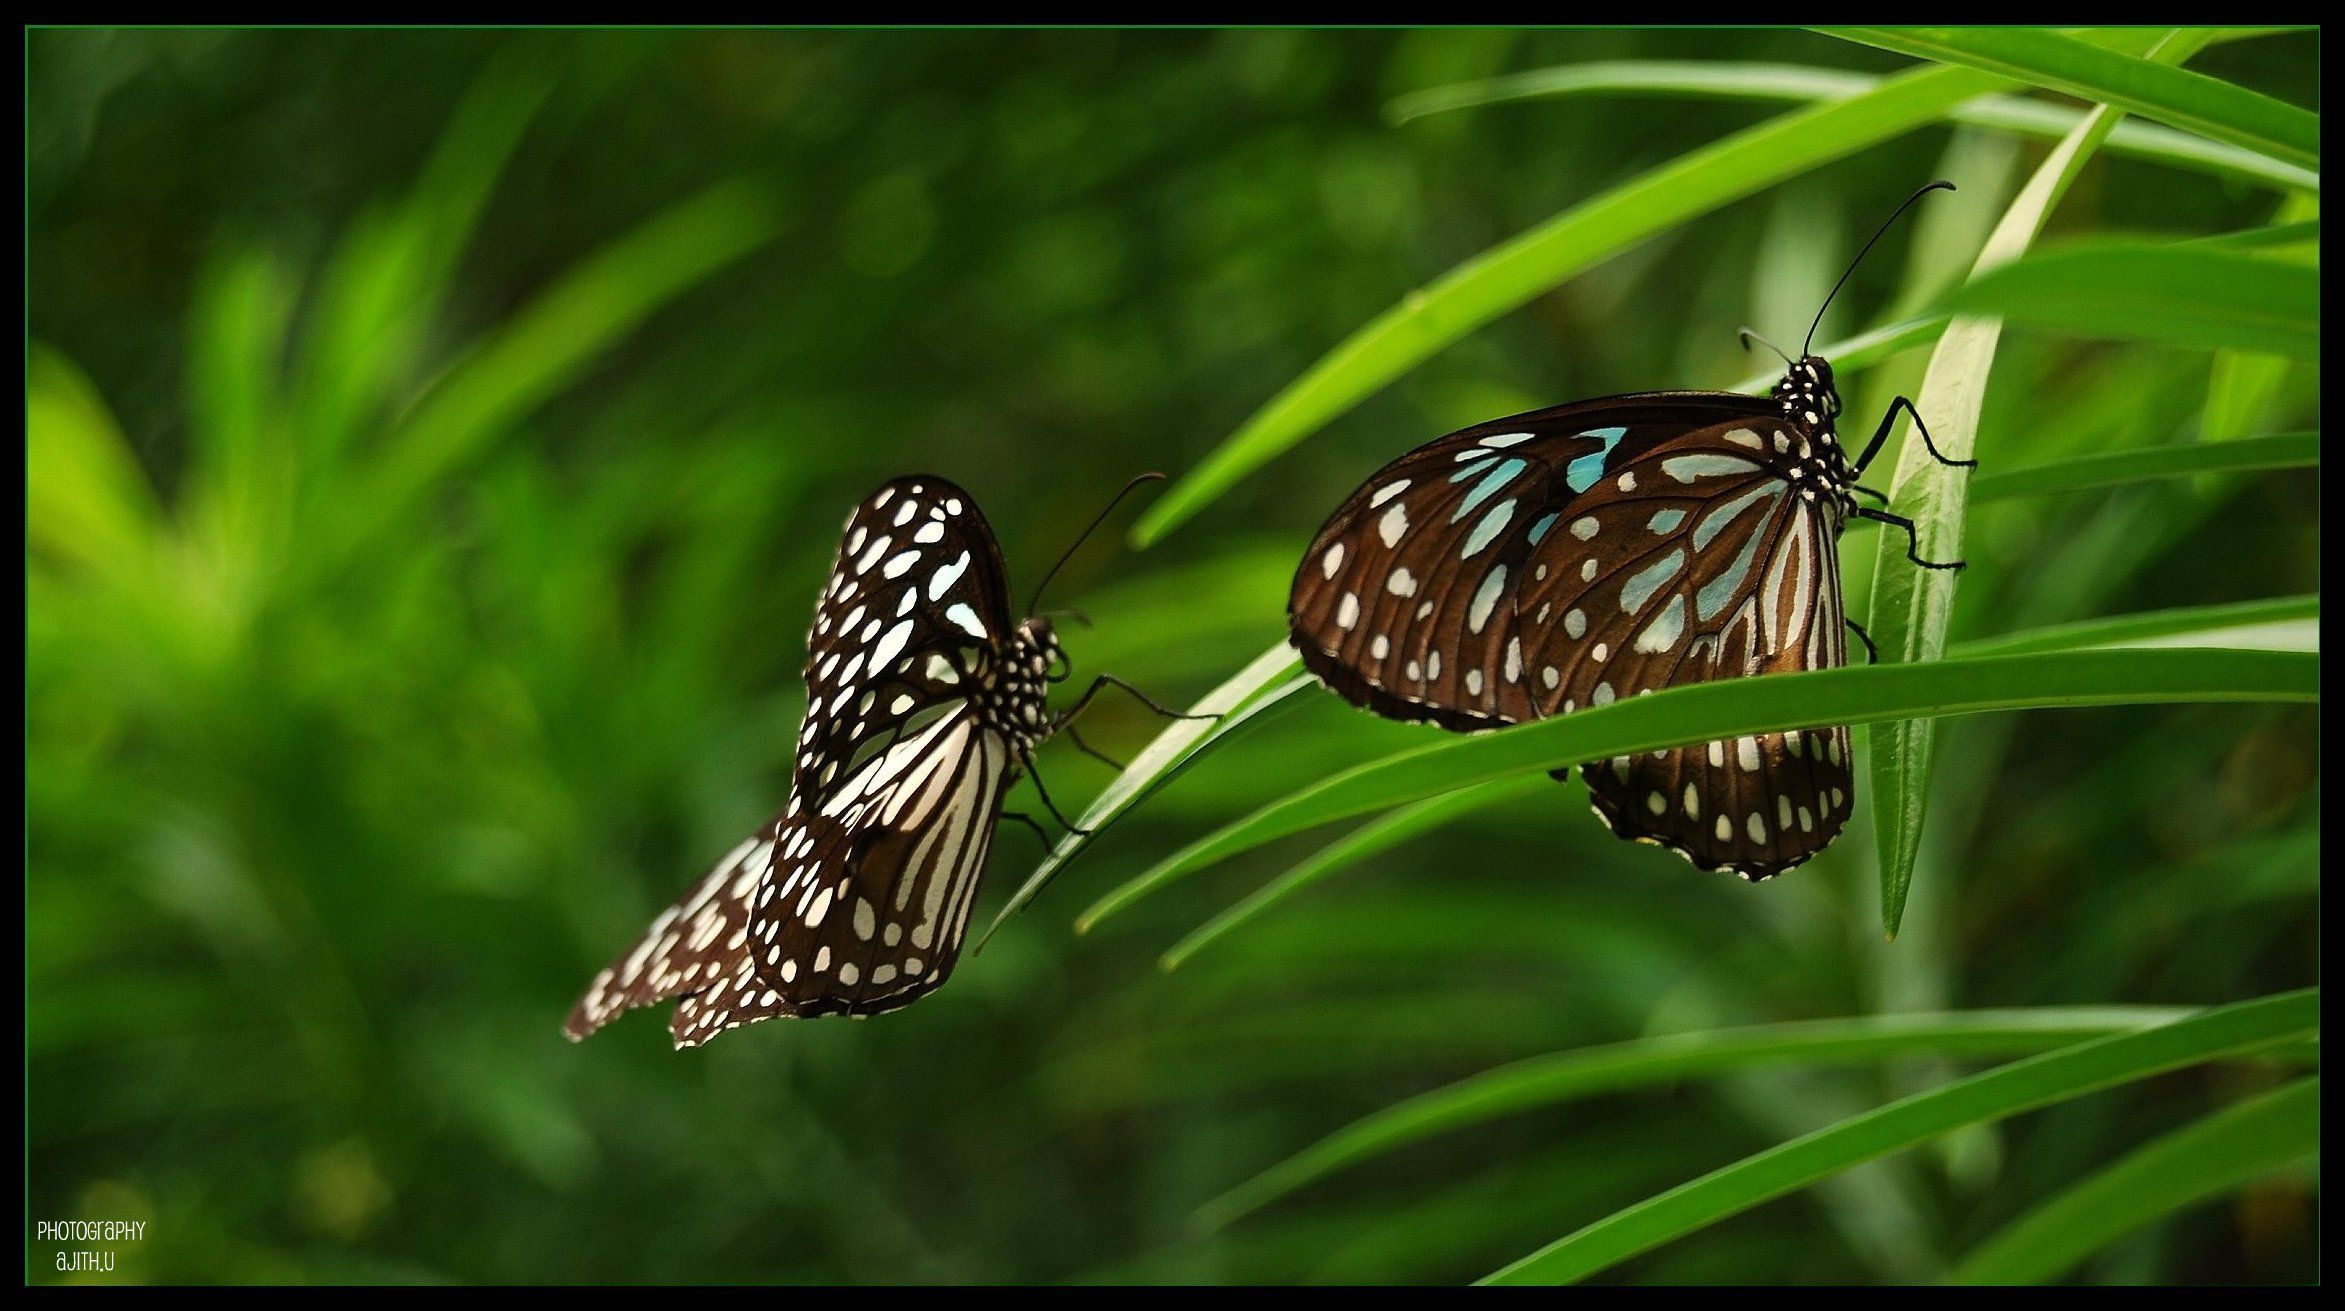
[1571,557]
[923,704]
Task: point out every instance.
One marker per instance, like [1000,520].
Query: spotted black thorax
[1017,705]
[1810,406]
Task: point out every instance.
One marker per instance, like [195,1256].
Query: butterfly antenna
[1088,529]
[1749,336]
[1860,257]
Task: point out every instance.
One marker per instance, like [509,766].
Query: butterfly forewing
[915,604]
[1404,601]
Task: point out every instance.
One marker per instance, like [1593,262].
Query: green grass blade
[1549,1080]
[2293,450]
[1377,835]
[2024,1085]
[1710,712]
[2201,625]
[384,288]
[2243,388]
[1911,607]
[2284,624]
[2304,235]
[2185,294]
[1802,84]
[86,498]
[2193,102]
[1269,681]
[1507,276]
[552,340]
[2210,1158]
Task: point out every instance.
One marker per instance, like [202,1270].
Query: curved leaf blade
[1911,607]
[2293,450]
[2199,625]
[1266,683]
[2207,1159]
[1709,712]
[2037,1081]
[1803,84]
[2187,294]
[1550,1080]
[1377,835]
[2193,102]
[1506,276]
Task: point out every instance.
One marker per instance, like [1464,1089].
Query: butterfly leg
[1889,421]
[1095,753]
[1882,497]
[1047,803]
[1913,550]
[1029,821]
[1872,652]
[1110,680]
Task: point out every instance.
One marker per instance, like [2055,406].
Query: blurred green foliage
[436,439]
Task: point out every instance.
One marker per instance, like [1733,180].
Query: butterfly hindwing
[1756,806]
[868,898]
[692,945]
[1699,559]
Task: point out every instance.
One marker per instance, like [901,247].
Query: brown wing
[916,594]
[1404,601]
[1698,560]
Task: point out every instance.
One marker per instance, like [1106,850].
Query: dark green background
[348,766]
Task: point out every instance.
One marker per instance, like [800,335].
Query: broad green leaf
[2293,450]
[2024,1085]
[1269,681]
[1377,835]
[1505,277]
[2186,294]
[1804,84]
[2154,89]
[2210,1158]
[1710,712]
[1910,606]
[1544,1081]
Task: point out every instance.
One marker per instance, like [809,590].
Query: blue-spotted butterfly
[1571,557]
[924,702]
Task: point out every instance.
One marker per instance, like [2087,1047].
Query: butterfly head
[1807,393]
[1037,644]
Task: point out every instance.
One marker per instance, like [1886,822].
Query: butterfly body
[1568,558]
[924,704]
